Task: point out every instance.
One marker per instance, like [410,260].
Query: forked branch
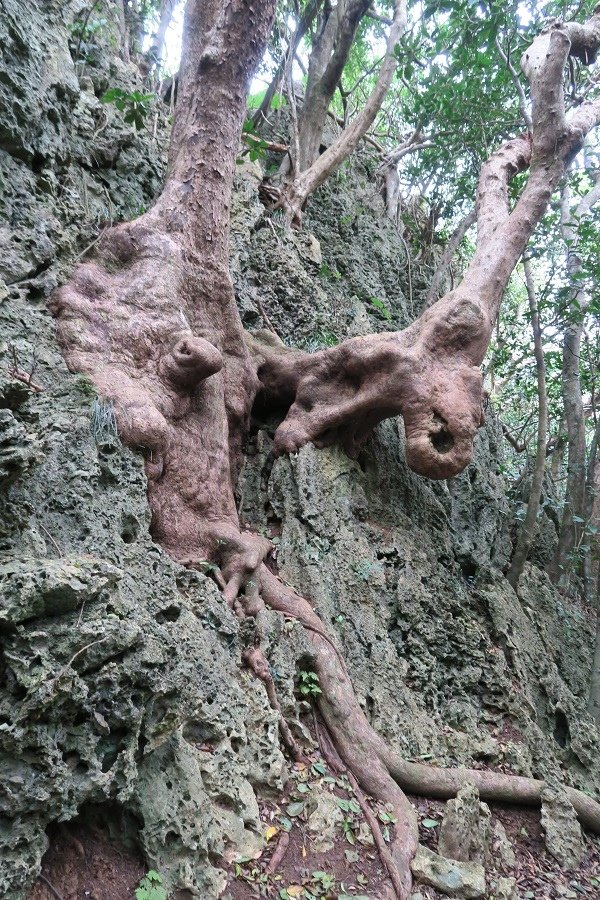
[429,373]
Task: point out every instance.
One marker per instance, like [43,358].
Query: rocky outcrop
[121,682]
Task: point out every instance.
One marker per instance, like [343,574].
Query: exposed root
[380,771]
[385,855]
[255,660]
[357,744]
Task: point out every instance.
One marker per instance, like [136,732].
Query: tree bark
[152,319]
[529,527]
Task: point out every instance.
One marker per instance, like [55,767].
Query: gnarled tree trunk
[151,318]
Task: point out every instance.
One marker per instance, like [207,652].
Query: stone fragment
[365,835]
[503,854]
[504,889]
[451,877]
[308,247]
[562,831]
[465,833]
[324,823]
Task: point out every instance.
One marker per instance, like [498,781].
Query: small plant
[257,147]
[381,307]
[308,683]
[151,888]
[103,422]
[134,105]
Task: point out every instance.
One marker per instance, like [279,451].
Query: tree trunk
[310,170]
[286,61]
[152,317]
[529,528]
[158,42]
[566,560]
[335,35]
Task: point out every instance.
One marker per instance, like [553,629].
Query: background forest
[162,685]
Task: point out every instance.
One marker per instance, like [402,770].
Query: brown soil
[538,875]
[82,864]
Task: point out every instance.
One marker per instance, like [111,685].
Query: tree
[308,169]
[573,520]
[528,531]
[150,316]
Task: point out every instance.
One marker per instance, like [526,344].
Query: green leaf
[295,809]
[430,823]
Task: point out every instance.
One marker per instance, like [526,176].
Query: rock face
[121,686]
[562,831]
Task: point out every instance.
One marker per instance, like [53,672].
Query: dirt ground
[83,864]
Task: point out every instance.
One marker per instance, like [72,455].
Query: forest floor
[82,864]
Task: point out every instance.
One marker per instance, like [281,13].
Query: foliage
[150,887]
[308,683]
[133,104]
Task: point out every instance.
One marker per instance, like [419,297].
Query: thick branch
[429,373]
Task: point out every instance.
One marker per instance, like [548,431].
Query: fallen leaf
[294,809]
[270,832]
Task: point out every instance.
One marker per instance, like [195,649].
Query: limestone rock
[465,833]
[503,854]
[562,831]
[324,823]
[505,889]
[18,449]
[450,877]
[32,588]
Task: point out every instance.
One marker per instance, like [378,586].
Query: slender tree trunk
[310,170]
[335,35]
[303,26]
[529,527]
[454,242]
[157,49]
[566,562]
[591,559]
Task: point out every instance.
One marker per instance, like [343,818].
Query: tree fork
[429,373]
[151,318]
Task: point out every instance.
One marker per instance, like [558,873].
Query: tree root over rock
[381,772]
